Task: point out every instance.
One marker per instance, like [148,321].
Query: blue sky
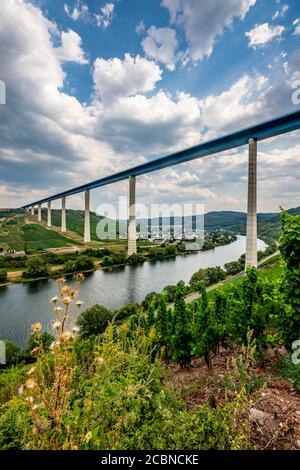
[94,87]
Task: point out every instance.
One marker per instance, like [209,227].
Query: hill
[16,234]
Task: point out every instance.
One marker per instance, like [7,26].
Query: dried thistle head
[36,328]
[66,300]
[79,277]
[73,293]
[60,282]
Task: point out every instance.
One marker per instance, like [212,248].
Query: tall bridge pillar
[49,218]
[251,242]
[32,210]
[132,222]
[87,227]
[63,215]
[39,213]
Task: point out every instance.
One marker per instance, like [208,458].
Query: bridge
[249,136]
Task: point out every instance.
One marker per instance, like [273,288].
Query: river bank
[21,305]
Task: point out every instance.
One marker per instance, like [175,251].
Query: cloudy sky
[94,87]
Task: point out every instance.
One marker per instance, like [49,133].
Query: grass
[75,221]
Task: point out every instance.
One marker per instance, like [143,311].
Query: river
[24,304]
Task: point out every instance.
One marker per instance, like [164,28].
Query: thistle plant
[48,388]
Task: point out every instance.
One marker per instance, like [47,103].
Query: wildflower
[36,327]
[66,336]
[73,293]
[78,303]
[75,329]
[35,407]
[88,436]
[58,310]
[79,277]
[30,399]
[67,300]
[21,390]
[56,325]
[30,384]
[65,289]
[54,344]
[60,282]
[54,300]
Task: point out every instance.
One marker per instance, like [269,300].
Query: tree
[205,330]
[3,276]
[249,311]
[182,336]
[36,267]
[169,292]
[94,320]
[163,326]
[290,249]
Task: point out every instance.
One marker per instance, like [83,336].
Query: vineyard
[217,373]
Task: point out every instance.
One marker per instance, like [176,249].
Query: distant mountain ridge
[268,224]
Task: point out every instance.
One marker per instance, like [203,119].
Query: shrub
[290,249]
[126,311]
[136,258]
[35,268]
[3,277]
[94,320]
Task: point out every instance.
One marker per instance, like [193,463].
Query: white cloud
[203,22]
[280,13]
[114,78]
[161,44]
[50,141]
[71,48]
[236,107]
[296,23]
[80,11]
[263,33]
[105,18]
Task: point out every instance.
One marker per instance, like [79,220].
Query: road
[195,295]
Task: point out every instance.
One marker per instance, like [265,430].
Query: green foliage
[206,338]
[12,353]
[169,292]
[290,370]
[114,260]
[208,276]
[151,298]
[181,328]
[115,401]
[82,263]
[248,309]
[3,276]
[94,320]
[137,258]
[126,311]
[290,251]
[36,268]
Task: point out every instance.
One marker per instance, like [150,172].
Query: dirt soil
[274,409]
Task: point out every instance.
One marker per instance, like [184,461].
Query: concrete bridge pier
[132,222]
[49,218]
[63,215]
[32,210]
[251,241]
[39,213]
[149,227]
[87,222]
